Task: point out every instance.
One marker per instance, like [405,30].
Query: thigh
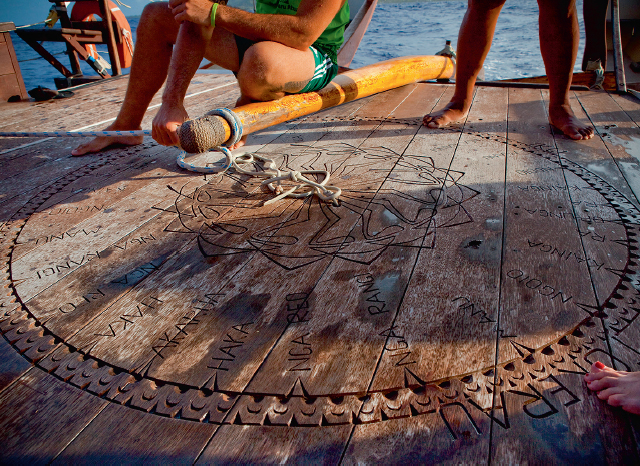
[222,50]
[277,66]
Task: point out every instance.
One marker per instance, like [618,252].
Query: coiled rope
[274,176]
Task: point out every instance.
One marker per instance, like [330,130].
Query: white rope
[274,176]
[74,134]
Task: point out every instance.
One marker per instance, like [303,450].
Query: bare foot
[102,142]
[618,388]
[454,112]
[562,117]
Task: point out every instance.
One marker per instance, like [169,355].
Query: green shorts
[325,71]
[326,68]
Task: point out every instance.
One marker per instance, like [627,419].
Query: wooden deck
[150,314]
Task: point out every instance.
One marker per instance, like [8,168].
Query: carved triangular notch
[212,384]
[298,390]
[411,380]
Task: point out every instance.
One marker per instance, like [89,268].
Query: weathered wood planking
[84,314]
[342,339]
[41,415]
[460,311]
[251,279]
[360,333]
[619,133]
[132,437]
[534,322]
[259,444]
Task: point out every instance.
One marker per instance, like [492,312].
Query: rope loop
[235,124]
[269,170]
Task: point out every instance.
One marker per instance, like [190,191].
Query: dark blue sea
[397,29]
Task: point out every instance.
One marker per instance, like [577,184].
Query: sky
[22,12]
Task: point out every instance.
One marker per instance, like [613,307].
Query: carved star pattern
[388,200]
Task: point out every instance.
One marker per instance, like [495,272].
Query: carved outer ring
[22,330]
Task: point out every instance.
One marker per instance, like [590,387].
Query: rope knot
[295,175]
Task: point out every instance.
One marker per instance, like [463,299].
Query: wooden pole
[618,61]
[197,135]
[111,39]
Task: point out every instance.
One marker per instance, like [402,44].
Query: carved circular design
[156,318]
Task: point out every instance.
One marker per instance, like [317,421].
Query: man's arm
[297,31]
[187,54]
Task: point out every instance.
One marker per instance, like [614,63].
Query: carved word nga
[398,347]
[300,353]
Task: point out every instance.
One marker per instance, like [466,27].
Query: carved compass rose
[197,301]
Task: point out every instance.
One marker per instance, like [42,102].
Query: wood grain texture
[177,318]
[40,415]
[122,435]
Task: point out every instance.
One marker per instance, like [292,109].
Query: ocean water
[397,29]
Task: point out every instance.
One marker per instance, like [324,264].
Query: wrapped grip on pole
[203,134]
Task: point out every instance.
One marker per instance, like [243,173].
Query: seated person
[288,46]
[559,35]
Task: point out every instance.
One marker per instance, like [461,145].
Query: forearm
[290,30]
[186,58]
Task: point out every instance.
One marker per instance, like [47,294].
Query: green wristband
[214,8]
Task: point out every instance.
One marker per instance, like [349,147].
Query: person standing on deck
[288,46]
[559,36]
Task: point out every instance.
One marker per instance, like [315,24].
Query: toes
[615,400]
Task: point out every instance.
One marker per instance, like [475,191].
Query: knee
[485,5]
[153,10]
[258,73]
[560,8]
[156,20]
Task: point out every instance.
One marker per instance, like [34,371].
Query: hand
[195,11]
[166,122]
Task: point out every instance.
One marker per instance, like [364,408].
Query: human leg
[268,71]
[155,36]
[559,36]
[474,42]
[617,388]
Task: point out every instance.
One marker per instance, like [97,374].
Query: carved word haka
[171,339]
[234,339]
[166,340]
